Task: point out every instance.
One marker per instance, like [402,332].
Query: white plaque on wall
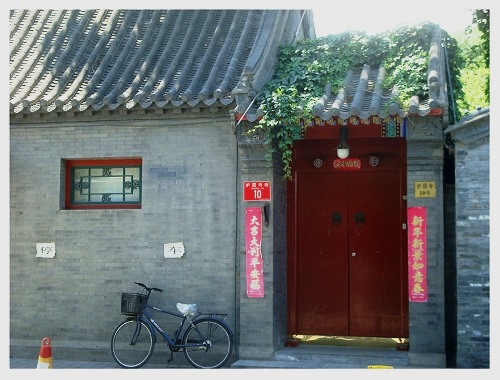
[46,250]
[173,250]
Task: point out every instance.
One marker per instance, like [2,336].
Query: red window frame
[118,162]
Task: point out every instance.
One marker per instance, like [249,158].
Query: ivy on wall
[303,71]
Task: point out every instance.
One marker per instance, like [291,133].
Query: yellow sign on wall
[425,189]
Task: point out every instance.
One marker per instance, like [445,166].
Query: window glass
[104,183]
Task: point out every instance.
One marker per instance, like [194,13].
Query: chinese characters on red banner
[417,254]
[254,275]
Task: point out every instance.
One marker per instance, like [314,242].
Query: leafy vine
[303,70]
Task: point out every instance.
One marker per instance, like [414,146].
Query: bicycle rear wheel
[209,343]
[132,344]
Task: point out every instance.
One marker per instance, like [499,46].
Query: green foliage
[407,60]
[303,70]
[475,82]
[481,18]
[475,72]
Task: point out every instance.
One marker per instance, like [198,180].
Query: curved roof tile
[363,94]
[75,59]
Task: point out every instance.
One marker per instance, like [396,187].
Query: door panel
[375,260]
[322,265]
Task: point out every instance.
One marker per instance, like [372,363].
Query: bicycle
[207,340]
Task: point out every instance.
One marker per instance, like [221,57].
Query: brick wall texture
[188,195]
[473,264]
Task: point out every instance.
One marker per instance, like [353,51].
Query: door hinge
[404,226]
[405,197]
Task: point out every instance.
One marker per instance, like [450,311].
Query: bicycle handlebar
[148,289]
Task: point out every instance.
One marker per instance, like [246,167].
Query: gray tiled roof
[363,94]
[73,60]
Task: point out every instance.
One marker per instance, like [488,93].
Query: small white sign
[46,250]
[173,250]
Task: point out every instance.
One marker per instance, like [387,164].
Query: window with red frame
[104,183]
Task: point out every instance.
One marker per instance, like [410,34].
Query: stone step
[308,356]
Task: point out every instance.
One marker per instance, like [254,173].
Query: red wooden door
[322,262]
[347,267]
[376,266]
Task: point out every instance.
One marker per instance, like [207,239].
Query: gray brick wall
[189,176]
[473,281]
[279,220]
[469,141]
[256,314]
[427,319]
[263,320]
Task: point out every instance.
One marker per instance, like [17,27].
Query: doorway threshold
[400,344]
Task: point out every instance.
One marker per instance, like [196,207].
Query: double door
[348,265]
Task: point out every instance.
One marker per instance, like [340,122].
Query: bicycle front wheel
[132,344]
[208,343]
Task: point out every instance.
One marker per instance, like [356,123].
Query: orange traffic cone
[45,357]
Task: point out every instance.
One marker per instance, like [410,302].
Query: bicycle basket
[132,303]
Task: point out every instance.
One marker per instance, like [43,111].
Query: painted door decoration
[347,264]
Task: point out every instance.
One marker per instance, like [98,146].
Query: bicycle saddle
[187,308]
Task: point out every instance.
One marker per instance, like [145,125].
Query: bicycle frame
[147,318]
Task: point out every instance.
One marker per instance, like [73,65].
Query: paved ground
[22,369]
[16,363]
[24,357]
[32,363]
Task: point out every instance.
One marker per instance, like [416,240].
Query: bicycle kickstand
[171,357]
